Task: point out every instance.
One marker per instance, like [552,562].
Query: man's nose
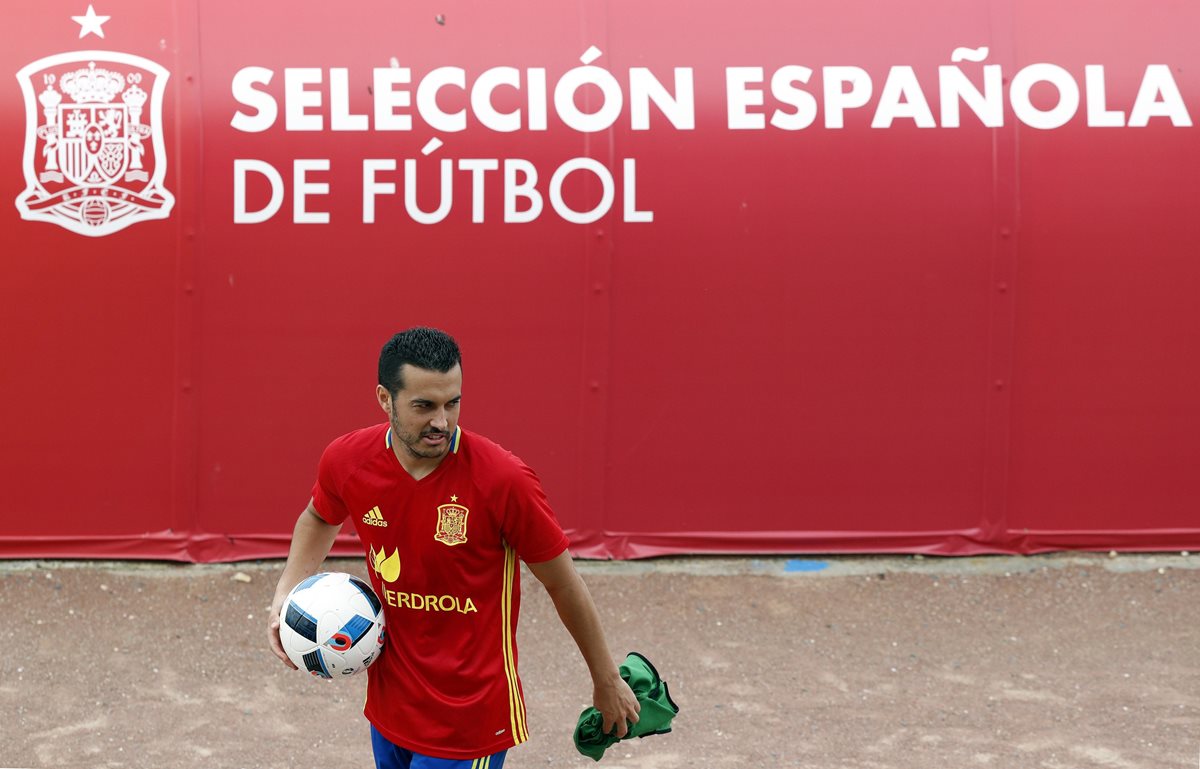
[439,420]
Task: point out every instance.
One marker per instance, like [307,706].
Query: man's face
[425,413]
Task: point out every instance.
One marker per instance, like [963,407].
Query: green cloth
[654,718]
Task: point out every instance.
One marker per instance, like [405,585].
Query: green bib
[654,718]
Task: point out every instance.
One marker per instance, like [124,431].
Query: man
[444,515]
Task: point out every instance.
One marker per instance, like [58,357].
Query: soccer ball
[332,625]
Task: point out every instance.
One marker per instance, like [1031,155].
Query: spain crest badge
[451,524]
[94,150]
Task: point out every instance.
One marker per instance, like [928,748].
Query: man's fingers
[620,725]
[619,708]
[279,652]
[276,644]
[615,726]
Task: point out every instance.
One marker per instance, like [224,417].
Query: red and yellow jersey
[443,555]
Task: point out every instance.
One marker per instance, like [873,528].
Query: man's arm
[610,694]
[311,540]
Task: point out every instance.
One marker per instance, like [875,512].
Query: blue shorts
[391,756]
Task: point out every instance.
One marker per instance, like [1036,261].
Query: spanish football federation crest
[94,152]
[451,524]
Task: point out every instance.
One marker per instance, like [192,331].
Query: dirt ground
[1052,661]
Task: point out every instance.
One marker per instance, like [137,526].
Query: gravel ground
[1049,661]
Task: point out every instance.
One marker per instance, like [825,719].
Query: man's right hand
[273,633]
[311,540]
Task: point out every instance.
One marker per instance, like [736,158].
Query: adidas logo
[374,518]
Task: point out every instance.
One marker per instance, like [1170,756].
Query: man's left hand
[617,703]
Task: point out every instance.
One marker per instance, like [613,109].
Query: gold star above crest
[90,23]
[453,497]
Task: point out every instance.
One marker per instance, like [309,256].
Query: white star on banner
[90,23]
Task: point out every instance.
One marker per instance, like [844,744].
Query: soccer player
[444,514]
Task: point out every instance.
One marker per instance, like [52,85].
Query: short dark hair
[426,348]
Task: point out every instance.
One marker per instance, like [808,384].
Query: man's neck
[417,467]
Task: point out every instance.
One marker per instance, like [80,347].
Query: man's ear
[385,399]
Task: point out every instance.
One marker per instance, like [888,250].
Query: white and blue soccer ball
[332,625]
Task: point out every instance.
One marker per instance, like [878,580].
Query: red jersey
[443,557]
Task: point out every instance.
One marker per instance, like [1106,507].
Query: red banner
[843,278]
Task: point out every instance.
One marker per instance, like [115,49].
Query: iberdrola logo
[94,157]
